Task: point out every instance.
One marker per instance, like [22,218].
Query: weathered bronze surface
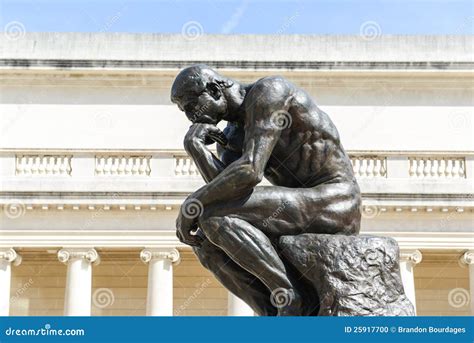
[274,129]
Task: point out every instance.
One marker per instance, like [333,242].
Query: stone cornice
[235,64]
[16,205]
[439,241]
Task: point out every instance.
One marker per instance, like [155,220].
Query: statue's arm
[261,136]
[206,162]
[208,165]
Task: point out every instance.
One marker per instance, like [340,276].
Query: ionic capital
[10,255]
[467,257]
[90,255]
[411,256]
[146,255]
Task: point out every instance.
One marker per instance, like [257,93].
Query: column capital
[10,255]
[89,254]
[172,254]
[413,256]
[467,257]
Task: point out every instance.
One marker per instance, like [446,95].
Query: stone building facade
[93,170]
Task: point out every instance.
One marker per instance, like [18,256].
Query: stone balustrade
[40,164]
[176,164]
[437,167]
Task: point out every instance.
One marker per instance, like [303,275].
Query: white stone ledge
[158,239]
[172,47]
[183,185]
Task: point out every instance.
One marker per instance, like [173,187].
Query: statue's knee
[204,254]
[214,227]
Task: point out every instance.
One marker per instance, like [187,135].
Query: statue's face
[203,107]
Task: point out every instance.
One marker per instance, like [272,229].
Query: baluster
[129,165]
[442,167]
[115,165]
[434,168]
[412,168]
[121,163]
[427,168]
[356,166]
[180,165]
[108,165]
[67,165]
[193,169]
[148,168]
[55,161]
[449,168]
[61,164]
[142,168]
[31,169]
[370,167]
[99,165]
[19,164]
[462,169]
[456,167]
[377,167]
[39,164]
[363,167]
[419,169]
[187,166]
[383,167]
[135,165]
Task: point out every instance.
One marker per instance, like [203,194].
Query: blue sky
[241,16]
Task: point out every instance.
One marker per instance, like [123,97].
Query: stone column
[8,257]
[160,280]
[77,301]
[468,259]
[237,307]
[408,260]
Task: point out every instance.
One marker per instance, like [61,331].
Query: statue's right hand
[186,227]
[200,133]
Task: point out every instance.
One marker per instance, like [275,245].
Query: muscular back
[308,151]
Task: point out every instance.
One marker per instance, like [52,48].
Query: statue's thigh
[331,208]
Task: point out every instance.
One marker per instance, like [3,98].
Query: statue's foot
[291,305]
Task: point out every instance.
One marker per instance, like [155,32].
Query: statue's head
[200,92]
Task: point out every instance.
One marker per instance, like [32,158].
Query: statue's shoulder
[270,88]
[272,83]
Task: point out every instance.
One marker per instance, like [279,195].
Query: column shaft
[77,300]
[468,259]
[160,288]
[7,257]
[408,259]
[160,280]
[5,284]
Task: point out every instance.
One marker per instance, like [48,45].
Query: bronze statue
[274,129]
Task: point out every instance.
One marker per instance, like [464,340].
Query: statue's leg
[252,250]
[277,211]
[236,279]
[242,228]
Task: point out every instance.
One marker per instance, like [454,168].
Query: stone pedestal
[352,275]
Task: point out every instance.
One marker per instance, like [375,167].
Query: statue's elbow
[249,176]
